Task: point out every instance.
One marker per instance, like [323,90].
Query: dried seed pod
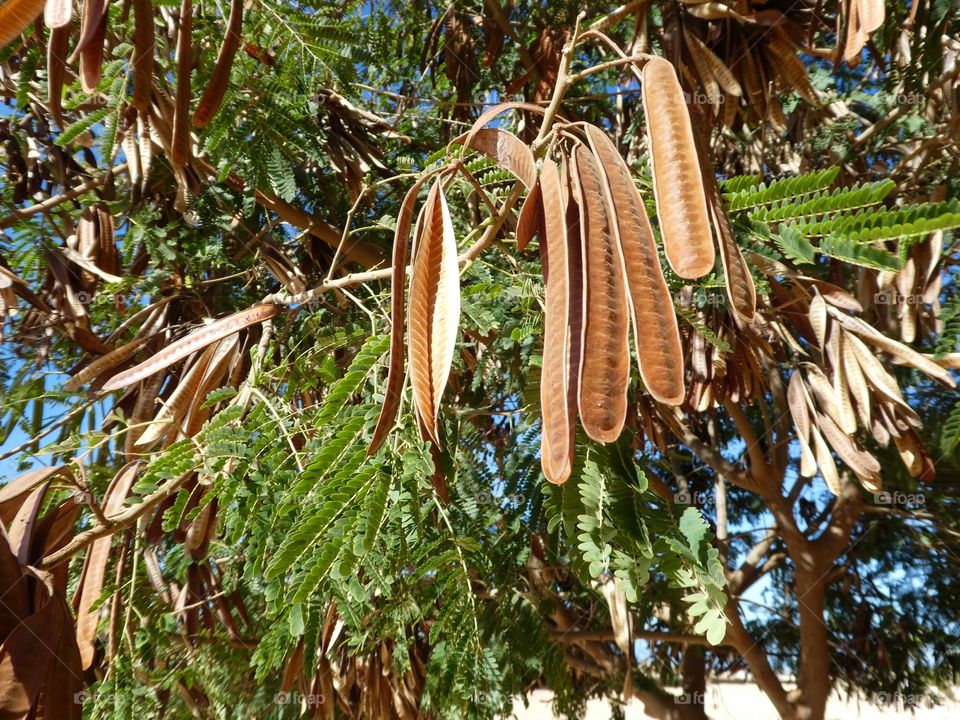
[180,139]
[193,342]
[605,365]
[143,44]
[15,16]
[398,275]
[659,353]
[677,181]
[434,310]
[217,86]
[556,453]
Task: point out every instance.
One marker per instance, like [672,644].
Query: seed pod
[677,182]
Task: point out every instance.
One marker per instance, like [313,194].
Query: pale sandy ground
[736,701]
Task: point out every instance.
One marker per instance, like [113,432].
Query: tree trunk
[813,678]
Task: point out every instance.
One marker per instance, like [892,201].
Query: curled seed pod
[434,310]
[398,275]
[677,182]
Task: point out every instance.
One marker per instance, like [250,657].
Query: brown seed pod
[217,86]
[605,365]
[677,182]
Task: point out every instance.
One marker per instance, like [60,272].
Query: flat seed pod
[862,463]
[143,44]
[398,276]
[57,47]
[91,53]
[530,221]
[828,467]
[15,16]
[103,364]
[217,86]
[434,310]
[737,278]
[841,388]
[191,343]
[556,453]
[801,420]
[871,14]
[575,279]
[677,181]
[823,392]
[96,566]
[506,148]
[659,352]
[56,13]
[214,374]
[900,351]
[179,402]
[720,72]
[605,365]
[818,318]
[180,139]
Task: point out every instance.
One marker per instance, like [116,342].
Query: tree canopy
[371,360]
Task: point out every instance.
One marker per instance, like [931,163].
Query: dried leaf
[434,309]
[191,343]
[655,331]
[677,180]
[217,86]
[556,453]
[605,365]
